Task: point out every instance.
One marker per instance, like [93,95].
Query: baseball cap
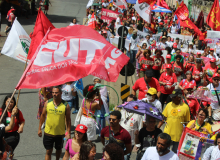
[190,43]
[96,78]
[149,73]
[152,91]
[198,53]
[169,66]
[104,31]
[213,60]
[215,75]
[161,23]
[168,56]
[81,128]
[211,49]
[174,45]
[164,37]
[176,92]
[134,32]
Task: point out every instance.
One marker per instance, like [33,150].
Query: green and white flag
[17,43]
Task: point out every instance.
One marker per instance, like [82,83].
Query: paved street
[31,146]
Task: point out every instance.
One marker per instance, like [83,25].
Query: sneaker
[76,111]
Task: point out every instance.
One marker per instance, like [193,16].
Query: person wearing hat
[158,62]
[143,84]
[210,69]
[73,145]
[133,48]
[11,18]
[176,113]
[191,102]
[214,87]
[212,54]
[163,68]
[163,44]
[199,56]
[160,28]
[167,82]
[197,72]
[191,48]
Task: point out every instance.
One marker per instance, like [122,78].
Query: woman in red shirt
[189,64]
[167,82]
[178,67]
[188,81]
[210,69]
[158,62]
[146,62]
[12,137]
[163,68]
[197,72]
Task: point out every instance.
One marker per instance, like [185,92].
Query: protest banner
[109,13]
[107,19]
[213,34]
[203,145]
[189,144]
[183,38]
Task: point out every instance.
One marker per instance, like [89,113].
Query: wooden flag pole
[19,89]
[7,105]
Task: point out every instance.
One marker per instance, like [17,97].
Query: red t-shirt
[196,73]
[185,83]
[210,71]
[158,61]
[188,66]
[203,35]
[142,87]
[177,69]
[193,106]
[122,136]
[169,80]
[17,122]
[146,63]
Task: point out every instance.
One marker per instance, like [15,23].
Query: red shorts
[46,7]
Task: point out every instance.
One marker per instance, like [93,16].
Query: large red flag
[147,1]
[200,20]
[213,19]
[182,12]
[188,23]
[70,53]
[92,21]
[41,27]
[162,3]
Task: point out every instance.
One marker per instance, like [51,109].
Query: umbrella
[157,8]
[142,108]
[96,4]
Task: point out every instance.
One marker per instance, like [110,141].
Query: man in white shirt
[178,43]
[173,28]
[105,4]
[161,151]
[133,48]
[169,42]
[163,44]
[118,20]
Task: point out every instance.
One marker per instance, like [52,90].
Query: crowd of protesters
[163,82]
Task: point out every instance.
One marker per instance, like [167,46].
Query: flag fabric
[156,8]
[131,1]
[178,2]
[162,3]
[144,10]
[182,12]
[188,23]
[89,4]
[213,18]
[92,21]
[146,1]
[120,4]
[41,27]
[70,53]
[17,43]
[200,20]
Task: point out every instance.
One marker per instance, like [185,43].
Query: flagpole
[7,105]
[19,89]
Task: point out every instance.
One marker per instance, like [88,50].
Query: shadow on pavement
[20,93]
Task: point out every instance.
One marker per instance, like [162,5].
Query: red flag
[162,3]
[182,12]
[188,23]
[147,1]
[213,19]
[41,27]
[200,20]
[92,21]
[70,53]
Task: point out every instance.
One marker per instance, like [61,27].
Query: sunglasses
[215,79]
[111,119]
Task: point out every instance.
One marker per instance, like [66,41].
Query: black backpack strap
[201,104]
[188,106]
[216,94]
[147,84]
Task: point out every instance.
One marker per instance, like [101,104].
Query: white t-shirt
[162,45]
[217,47]
[210,87]
[212,153]
[169,44]
[134,123]
[152,154]
[173,29]
[214,56]
[72,24]
[134,43]
[66,92]
[105,4]
[155,103]
[118,22]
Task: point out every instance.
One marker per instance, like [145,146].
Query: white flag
[143,9]
[17,43]
[122,4]
[89,4]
